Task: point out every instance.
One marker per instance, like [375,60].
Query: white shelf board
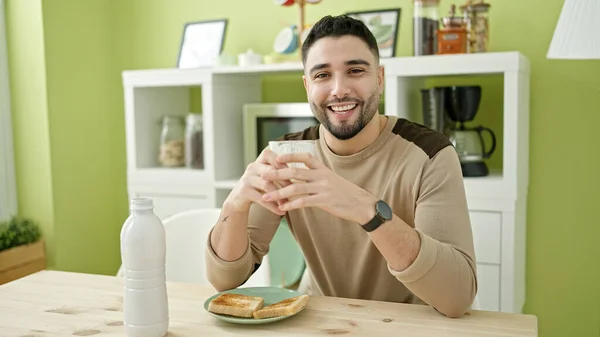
[261,68]
[166,77]
[166,175]
[226,184]
[409,66]
[456,64]
[192,77]
[489,186]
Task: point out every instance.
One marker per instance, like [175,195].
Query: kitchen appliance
[462,103]
[452,37]
[263,122]
[434,109]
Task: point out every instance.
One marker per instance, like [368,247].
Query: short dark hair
[338,26]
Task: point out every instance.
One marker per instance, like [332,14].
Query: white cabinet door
[488,277]
[166,205]
[487,232]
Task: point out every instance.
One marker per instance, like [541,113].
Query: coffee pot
[471,149]
[461,105]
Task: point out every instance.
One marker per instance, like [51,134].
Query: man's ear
[305,84]
[381,79]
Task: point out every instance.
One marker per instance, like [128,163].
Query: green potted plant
[21,249]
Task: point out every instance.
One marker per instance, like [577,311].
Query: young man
[382,214]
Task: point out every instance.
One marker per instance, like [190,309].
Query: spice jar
[452,38]
[476,14]
[171,142]
[194,145]
[425,27]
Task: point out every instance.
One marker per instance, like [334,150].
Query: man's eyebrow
[318,67]
[358,62]
[348,63]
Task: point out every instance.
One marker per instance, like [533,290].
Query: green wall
[31,133]
[67,111]
[84,196]
[86,143]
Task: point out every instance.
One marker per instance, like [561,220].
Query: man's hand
[251,186]
[319,187]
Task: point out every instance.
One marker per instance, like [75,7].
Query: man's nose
[340,87]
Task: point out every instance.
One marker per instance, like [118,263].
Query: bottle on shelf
[194,145]
[425,27]
[476,14]
[172,142]
[143,255]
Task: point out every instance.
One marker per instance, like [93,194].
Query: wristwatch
[383,213]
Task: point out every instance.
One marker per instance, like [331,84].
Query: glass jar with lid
[171,152]
[476,14]
[194,144]
[425,27]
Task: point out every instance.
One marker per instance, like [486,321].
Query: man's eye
[321,75]
[356,71]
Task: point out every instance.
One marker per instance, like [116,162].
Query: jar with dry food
[171,153]
[476,14]
[194,144]
[425,27]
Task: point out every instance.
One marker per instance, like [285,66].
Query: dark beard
[345,130]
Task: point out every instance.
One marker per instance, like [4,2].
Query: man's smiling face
[343,83]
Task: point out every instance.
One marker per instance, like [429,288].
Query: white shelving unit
[497,203]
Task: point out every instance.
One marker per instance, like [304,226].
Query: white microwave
[264,122]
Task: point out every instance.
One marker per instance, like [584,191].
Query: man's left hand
[320,187]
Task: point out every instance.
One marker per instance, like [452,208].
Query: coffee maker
[447,109]
[462,103]
[434,109]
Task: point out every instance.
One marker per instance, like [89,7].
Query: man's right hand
[252,186]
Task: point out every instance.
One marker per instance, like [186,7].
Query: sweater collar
[363,154]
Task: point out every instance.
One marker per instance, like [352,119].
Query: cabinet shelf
[226,184]
[167,175]
[456,64]
[408,66]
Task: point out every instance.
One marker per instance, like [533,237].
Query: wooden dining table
[55,303]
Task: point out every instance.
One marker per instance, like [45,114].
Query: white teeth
[342,109]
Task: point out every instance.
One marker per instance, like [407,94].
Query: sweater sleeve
[225,275]
[444,272]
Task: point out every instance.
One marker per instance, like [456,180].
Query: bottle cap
[475,6]
[141,204]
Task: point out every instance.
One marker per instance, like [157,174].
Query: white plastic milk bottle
[143,254]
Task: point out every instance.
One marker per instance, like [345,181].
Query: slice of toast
[235,305]
[287,307]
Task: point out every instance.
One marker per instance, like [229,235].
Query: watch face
[384,209]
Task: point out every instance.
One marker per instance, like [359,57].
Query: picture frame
[201,43]
[384,24]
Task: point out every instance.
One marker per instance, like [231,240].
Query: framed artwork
[201,43]
[383,23]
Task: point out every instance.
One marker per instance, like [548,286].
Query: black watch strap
[383,213]
[373,224]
